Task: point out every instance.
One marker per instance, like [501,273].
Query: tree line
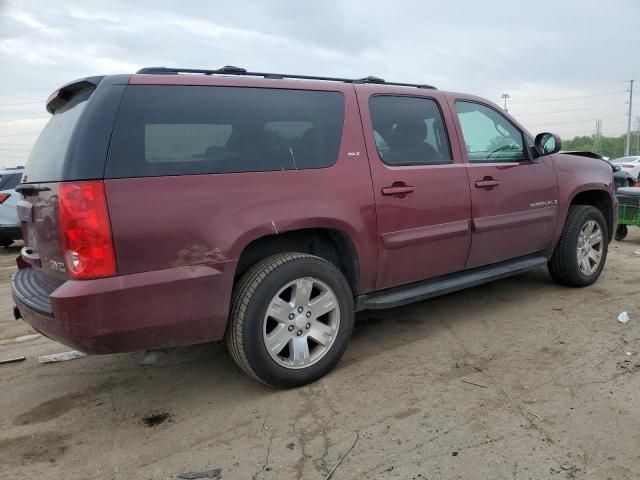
[612,147]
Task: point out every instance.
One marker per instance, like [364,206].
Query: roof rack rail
[231,70]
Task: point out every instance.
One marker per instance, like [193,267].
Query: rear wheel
[581,252]
[291,319]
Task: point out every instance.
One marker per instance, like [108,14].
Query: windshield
[625,160]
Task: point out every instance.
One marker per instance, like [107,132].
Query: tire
[564,265]
[630,183]
[621,232]
[273,282]
[6,242]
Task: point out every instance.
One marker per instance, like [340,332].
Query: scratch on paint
[199,255]
[275,229]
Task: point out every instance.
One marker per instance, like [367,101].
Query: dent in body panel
[199,255]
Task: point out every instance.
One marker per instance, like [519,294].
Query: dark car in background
[621,177]
[10,230]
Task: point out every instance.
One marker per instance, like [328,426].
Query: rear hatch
[67,162]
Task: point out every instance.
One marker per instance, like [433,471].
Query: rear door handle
[487,182]
[398,189]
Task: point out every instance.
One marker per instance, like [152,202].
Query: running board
[415,292]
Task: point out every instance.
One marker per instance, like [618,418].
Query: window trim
[463,147]
[451,160]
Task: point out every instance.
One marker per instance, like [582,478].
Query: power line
[18,134]
[564,111]
[579,121]
[569,98]
[24,118]
[21,103]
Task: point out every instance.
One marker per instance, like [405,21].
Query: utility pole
[505,96]
[627,145]
[636,142]
[597,136]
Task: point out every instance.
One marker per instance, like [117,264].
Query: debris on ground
[150,358]
[474,383]
[61,357]
[343,457]
[291,446]
[12,360]
[623,317]
[156,419]
[20,339]
[214,473]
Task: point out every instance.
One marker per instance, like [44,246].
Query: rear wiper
[30,189]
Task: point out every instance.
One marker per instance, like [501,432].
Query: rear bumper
[145,311]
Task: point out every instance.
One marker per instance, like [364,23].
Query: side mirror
[616,168]
[547,143]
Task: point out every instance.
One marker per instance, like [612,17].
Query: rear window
[182,130]
[47,158]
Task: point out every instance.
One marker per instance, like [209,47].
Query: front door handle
[488,183]
[398,189]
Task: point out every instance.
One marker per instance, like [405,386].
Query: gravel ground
[554,394]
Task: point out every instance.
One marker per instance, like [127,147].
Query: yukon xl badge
[546,203]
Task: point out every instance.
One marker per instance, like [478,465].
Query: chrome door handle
[397,189]
[487,182]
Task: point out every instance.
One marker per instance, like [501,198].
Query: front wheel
[581,252]
[291,319]
[621,232]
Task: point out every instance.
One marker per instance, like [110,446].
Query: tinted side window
[181,130]
[488,135]
[409,130]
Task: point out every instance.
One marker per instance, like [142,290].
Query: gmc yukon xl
[178,206]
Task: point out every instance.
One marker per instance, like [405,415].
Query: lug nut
[308,326]
[299,332]
[291,327]
[308,314]
[300,309]
[291,316]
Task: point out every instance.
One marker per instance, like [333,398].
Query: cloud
[533,51]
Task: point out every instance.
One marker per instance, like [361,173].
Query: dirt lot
[562,380]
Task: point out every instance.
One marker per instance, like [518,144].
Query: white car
[9,225]
[629,164]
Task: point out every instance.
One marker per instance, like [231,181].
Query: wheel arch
[601,199]
[331,244]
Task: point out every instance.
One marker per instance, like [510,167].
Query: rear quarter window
[182,130]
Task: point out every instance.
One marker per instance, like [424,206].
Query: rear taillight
[628,165]
[4,196]
[86,231]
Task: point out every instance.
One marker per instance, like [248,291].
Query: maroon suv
[175,207]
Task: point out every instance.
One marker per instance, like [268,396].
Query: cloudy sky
[564,63]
